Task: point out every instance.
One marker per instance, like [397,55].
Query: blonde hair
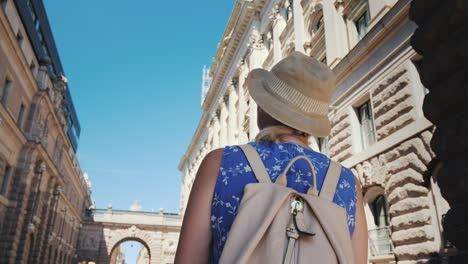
[272,134]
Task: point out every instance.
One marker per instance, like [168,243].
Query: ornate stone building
[105,230]
[43,192]
[378,127]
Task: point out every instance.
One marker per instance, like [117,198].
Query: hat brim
[275,106]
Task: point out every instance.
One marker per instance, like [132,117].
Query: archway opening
[378,223]
[130,251]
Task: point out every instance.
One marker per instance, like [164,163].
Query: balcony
[380,246]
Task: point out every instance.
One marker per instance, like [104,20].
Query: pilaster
[232,129]
[335,33]
[299,31]
[242,104]
[223,135]
[216,130]
[278,24]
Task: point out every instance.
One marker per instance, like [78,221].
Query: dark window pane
[324,146]
[20,116]
[4,180]
[5,91]
[362,25]
[367,125]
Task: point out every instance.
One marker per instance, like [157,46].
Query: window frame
[5,92]
[5,179]
[21,112]
[370,130]
[364,15]
[324,141]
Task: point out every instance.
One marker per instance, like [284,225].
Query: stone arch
[370,195]
[135,234]
[380,242]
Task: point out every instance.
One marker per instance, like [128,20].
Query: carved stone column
[216,130]
[242,105]
[278,24]
[299,31]
[232,116]
[223,135]
[335,33]
[442,38]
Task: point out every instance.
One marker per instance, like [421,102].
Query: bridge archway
[133,234]
[105,230]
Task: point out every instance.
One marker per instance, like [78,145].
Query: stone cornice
[241,17]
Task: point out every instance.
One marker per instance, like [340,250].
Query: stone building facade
[378,127]
[43,193]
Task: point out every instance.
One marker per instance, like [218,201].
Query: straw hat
[297,92]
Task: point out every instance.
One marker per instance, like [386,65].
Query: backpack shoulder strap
[256,163]
[331,181]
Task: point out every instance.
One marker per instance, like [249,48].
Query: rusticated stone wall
[393,103]
[397,162]
[442,40]
[340,137]
[399,172]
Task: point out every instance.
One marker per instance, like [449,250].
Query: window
[40,35]
[4,180]
[4,3]
[235,83]
[6,90]
[380,242]
[20,115]
[366,125]
[362,25]
[324,146]
[31,10]
[32,67]
[19,38]
[379,211]
[37,25]
[286,10]
[324,60]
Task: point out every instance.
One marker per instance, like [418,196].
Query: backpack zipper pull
[296,205]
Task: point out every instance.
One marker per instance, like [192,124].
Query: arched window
[379,211]
[378,223]
[315,45]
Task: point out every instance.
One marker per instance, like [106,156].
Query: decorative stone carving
[256,41]
[275,13]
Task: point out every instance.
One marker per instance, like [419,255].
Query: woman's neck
[301,140]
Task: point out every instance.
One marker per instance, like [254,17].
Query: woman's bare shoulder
[211,163]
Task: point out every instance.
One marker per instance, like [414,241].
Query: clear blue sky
[134,71]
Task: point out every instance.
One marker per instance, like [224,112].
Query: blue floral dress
[235,173]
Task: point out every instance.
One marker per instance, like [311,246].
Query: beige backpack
[276,224]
